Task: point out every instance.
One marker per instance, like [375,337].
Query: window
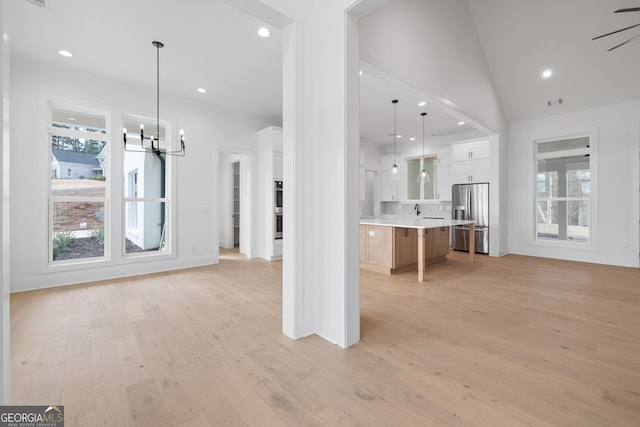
[145,188]
[421,189]
[77,187]
[563,190]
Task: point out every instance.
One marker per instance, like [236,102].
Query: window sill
[585,246]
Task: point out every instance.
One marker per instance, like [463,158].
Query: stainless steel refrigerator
[470,202]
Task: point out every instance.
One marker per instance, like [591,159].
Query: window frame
[51,105]
[434,178]
[168,250]
[592,151]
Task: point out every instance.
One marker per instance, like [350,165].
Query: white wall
[208,129]
[616,233]
[5,350]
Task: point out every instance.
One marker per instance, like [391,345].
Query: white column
[321,163]
[5,353]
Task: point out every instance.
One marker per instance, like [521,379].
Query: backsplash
[426,209]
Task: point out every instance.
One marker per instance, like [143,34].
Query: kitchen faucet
[417,209]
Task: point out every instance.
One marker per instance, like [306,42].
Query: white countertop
[414,222]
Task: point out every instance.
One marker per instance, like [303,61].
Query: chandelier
[153,145]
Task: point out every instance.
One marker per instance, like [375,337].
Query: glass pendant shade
[423,176]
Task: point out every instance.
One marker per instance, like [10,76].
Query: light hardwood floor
[514,341]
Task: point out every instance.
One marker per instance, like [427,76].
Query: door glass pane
[78,230]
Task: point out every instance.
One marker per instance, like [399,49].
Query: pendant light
[424,175]
[394,168]
[154,147]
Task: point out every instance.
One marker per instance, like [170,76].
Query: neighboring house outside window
[77,197]
[145,187]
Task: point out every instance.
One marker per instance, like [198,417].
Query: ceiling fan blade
[630,9]
[623,43]
[615,32]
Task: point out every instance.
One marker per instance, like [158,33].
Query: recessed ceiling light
[398,136]
[412,139]
[421,104]
[65,53]
[460,123]
[547,73]
[202,90]
[264,32]
[361,72]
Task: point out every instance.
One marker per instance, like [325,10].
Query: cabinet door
[444,182]
[430,243]
[406,247]
[443,240]
[470,151]
[389,187]
[386,161]
[460,173]
[479,170]
[413,185]
[444,155]
[479,150]
[379,246]
[460,152]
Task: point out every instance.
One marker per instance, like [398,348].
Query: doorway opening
[234,191]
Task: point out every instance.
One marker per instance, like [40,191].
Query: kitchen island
[390,245]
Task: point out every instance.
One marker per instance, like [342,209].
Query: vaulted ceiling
[523,38]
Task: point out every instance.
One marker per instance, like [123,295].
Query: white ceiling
[376,113]
[209,44]
[522,38]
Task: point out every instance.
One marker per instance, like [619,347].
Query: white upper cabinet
[444,182]
[444,174]
[422,189]
[470,151]
[389,182]
[387,161]
[389,187]
[470,162]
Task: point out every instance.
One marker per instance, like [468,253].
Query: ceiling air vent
[39,3]
[555,102]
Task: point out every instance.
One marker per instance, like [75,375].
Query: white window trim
[79,263]
[434,179]
[592,134]
[170,183]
